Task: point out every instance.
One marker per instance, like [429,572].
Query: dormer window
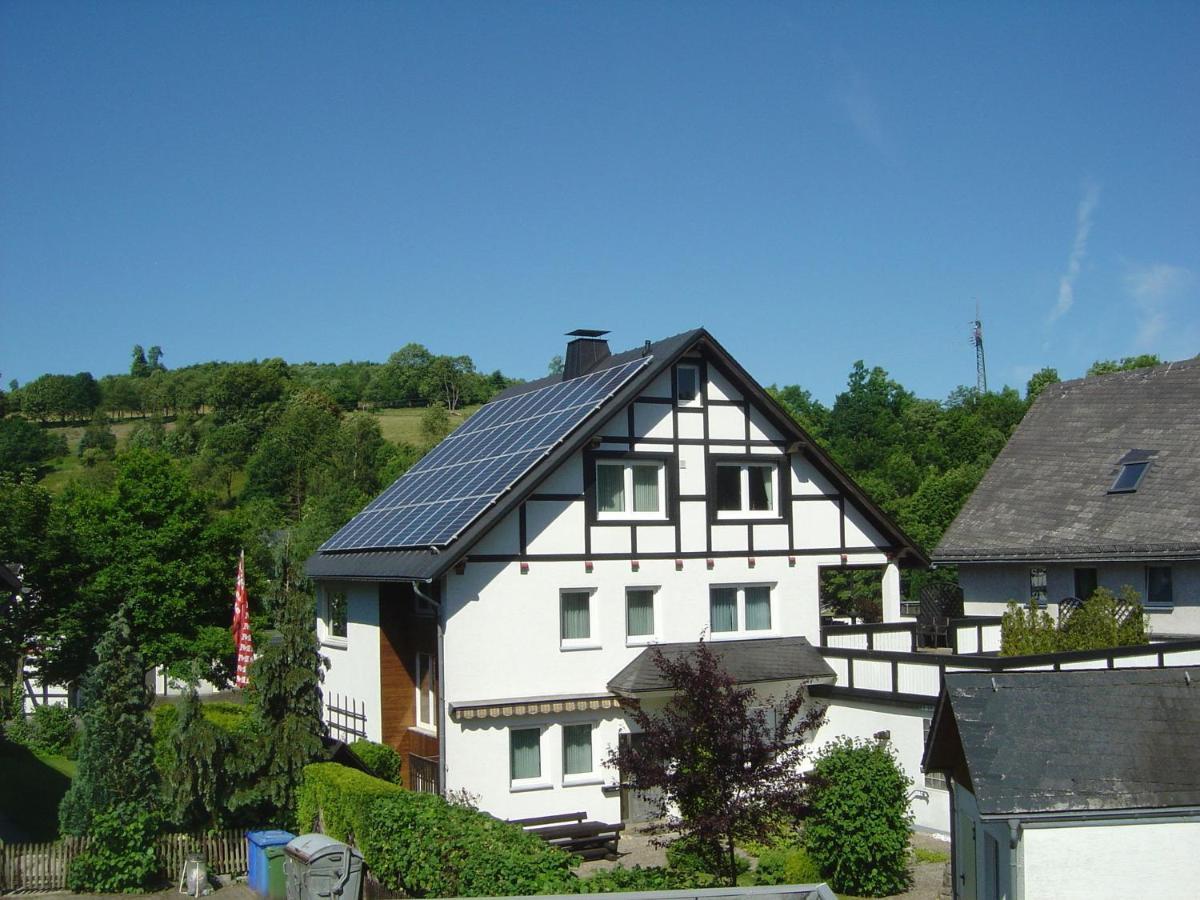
[1133,469]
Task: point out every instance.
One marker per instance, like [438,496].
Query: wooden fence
[43,867]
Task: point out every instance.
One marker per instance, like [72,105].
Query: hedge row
[422,845]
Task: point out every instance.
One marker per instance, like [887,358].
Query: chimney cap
[586,333]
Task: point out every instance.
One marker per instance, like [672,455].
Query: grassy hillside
[404,425]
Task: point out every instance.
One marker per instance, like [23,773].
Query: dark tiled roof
[749,661]
[374,565]
[1046,495]
[1046,742]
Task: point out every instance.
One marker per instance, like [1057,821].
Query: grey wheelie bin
[319,868]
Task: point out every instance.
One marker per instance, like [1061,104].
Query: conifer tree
[285,685]
[116,760]
[197,782]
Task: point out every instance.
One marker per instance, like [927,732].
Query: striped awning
[532,706]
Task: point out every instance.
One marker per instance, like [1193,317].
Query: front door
[636,806]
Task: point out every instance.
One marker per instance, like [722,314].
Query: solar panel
[431,503]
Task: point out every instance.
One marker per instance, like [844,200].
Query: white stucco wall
[1107,859]
[860,719]
[354,662]
[987,589]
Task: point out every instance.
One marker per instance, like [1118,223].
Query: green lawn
[404,425]
[30,790]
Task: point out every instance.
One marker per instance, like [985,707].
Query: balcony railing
[423,773]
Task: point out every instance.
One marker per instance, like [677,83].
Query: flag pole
[242,643]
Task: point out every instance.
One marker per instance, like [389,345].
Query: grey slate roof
[748,661]
[1088,740]
[375,565]
[1046,495]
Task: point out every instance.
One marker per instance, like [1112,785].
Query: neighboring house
[1098,486]
[1072,784]
[484,613]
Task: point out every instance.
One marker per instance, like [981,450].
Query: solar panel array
[450,487]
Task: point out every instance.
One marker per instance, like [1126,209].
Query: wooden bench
[569,831]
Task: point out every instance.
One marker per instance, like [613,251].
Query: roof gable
[1053,493]
[1052,742]
[424,563]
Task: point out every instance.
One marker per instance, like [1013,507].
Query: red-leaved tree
[720,765]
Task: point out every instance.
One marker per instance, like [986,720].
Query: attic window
[1133,468]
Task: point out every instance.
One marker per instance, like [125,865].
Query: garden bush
[858,830]
[693,856]
[422,845]
[1095,625]
[50,729]
[232,718]
[637,878]
[381,759]
[120,857]
[786,864]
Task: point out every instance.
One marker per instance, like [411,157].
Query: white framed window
[336,617]
[425,679]
[1037,586]
[525,759]
[641,620]
[740,610]
[935,780]
[687,385]
[747,490]
[1159,589]
[576,621]
[578,762]
[631,489]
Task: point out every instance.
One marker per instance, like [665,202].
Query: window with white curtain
[630,489]
[525,754]
[739,609]
[426,688]
[576,629]
[577,750]
[639,615]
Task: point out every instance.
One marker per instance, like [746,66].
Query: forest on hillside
[168,474]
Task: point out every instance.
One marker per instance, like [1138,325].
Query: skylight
[1133,468]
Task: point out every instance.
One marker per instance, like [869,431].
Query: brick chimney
[587,349]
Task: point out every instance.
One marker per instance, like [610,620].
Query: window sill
[642,640]
[733,517]
[1159,607]
[518,787]
[612,518]
[334,643]
[583,645]
[423,730]
[581,780]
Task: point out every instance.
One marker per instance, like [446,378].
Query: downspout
[441,685]
[955,842]
[1014,861]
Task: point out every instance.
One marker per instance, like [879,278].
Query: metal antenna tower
[977,340]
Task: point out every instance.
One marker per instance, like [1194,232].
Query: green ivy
[857,833]
[381,759]
[120,855]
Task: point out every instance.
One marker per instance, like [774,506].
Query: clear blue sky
[815,183]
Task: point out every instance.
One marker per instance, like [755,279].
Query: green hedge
[334,799]
[426,847]
[381,759]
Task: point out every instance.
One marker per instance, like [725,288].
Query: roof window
[1133,469]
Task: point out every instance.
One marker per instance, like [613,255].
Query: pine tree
[116,760]
[197,782]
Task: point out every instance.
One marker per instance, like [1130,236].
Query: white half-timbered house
[486,611]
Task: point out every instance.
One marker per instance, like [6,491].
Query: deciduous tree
[718,766]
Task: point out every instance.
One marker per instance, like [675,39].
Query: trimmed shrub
[858,830]
[424,846]
[1025,632]
[120,857]
[381,759]
[333,799]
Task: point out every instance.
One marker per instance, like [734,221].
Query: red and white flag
[241,627]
